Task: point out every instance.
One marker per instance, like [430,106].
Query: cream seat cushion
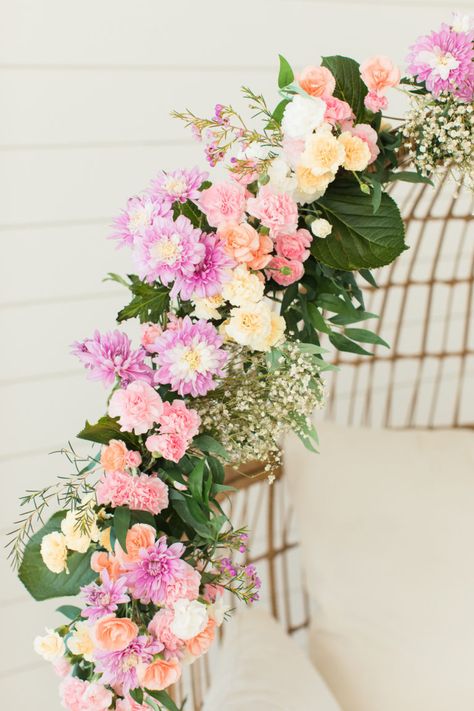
[387,524]
[260,668]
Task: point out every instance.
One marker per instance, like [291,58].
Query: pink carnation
[171,446]
[138,407]
[128,704]
[277,211]
[292,150]
[178,418]
[150,332]
[369,136]
[284,271]
[294,246]
[62,667]
[223,202]
[139,493]
[160,627]
[337,111]
[79,695]
[375,102]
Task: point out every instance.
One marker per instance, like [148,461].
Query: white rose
[80,642]
[250,325]
[302,116]
[243,288]
[321,227]
[51,647]
[190,618]
[217,611]
[54,552]
[77,540]
[282,180]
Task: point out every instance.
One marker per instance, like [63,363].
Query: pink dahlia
[139,493]
[104,599]
[168,249]
[209,274]
[121,668]
[138,407]
[443,60]
[159,573]
[178,186]
[189,357]
[109,355]
[277,211]
[138,216]
[223,202]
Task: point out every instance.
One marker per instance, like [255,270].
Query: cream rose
[54,552]
[51,646]
[321,227]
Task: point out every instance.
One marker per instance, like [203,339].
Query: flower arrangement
[237,283]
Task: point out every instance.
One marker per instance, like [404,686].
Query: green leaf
[195,480]
[349,85]
[122,517]
[277,115]
[409,176]
[376,195]
[369,277]
[359,238]
[364,336]
[342,343]
[317,319]
[206,444]
[285,75]
[272,358]
[40,582]
[137,695]
[290,294]
[104,430]
[69,611]
[149,302]
[164,699]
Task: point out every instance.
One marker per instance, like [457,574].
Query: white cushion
[387,524]
[261,668]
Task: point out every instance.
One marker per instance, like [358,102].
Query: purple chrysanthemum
[138,216]
[442,60]
[168,249]
[189,356]
[157,573]
[109,355]
[120,668]
[209,275]
[104,599]
[178,186]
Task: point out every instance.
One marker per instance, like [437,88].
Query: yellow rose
[80,642]
[50,647]
[54,552]
[357,152]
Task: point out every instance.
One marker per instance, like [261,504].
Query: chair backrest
[425,301]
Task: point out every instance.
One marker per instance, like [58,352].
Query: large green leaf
[359,238]
[149,301]
[285,75]
[40,582]
[349,85]
[104,430]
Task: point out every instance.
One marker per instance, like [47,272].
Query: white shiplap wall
[87,88]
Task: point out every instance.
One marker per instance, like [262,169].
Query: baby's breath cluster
[261,398]
[439,134]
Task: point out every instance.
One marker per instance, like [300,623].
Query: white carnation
[302,116]
[282,179]
[321,227]
[190,618]
[54,552]
[207,307]
[76,539]
[243,288]
[251,326]
[51,647]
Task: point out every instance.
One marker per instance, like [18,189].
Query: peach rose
[379,73]
[160,674]
[139,536]
[317,81]
[114,456]
[101,560]
[114,633]
[200,644]
[244,244]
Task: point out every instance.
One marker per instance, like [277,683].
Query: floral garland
[236,284]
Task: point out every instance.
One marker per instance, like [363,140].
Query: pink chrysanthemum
[140,214]
[442,60]
[178,186]
[104,599]
[168,249]
[110,355]
[139,493]
[209,274]
[120,668]
[160,576]
[189,357]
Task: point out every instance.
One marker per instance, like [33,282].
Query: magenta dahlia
[121,668]
[209,274]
